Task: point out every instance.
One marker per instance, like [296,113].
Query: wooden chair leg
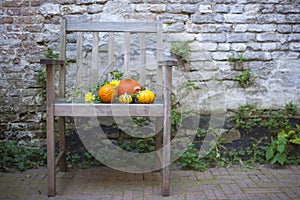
[51,157]
[158,141]
[51,181]
[166,157]
[62,144]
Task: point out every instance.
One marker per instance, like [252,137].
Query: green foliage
[190,85]
[190,159]
[116,75]
[239,57]
[249,116]
[41,78]
[136,145]
[181,50]
[245,79]
[244,119]
[277,151]
[13,155]
[41,75]
[51,54]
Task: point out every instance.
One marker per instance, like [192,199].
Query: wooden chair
[61,109]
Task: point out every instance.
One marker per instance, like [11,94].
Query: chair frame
[62,110]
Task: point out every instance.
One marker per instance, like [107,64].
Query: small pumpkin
[128,85]
[146,96]
[125,98]
[108,93]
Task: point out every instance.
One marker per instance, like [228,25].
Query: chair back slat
[95,50]
[111,54]
[62,56]
[126,52]
[137,27]
[78,82]
[142,58]
[159,72]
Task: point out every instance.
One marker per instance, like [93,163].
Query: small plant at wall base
[182,52]
[237,60]
[41,75]
[245,79]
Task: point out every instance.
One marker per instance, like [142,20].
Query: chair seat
[114,109]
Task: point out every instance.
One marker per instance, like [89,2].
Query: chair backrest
[104,46]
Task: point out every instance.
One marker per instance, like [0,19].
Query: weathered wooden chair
[160,109]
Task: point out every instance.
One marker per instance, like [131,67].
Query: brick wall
[266,31]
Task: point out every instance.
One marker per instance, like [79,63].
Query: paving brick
[261,183]
[209,194]
[220,194]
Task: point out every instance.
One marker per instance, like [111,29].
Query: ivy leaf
[269,153]
[281,158]
[281,148]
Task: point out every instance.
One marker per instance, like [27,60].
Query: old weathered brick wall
[266,31]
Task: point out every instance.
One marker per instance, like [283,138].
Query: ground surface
[103,183]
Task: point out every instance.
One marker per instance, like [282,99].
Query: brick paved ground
[104,183]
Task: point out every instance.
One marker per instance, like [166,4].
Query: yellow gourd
[125,98]
[146,96]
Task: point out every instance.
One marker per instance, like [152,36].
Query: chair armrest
[49,61]
[168,62]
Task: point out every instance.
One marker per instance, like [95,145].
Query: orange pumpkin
[129,86]
[108,93]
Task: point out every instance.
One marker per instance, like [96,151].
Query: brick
[240,37]
[296,28]
[14,11]
[295,46]
[271,18]
[213,37]
[282,28]
[261,27]
[221,8]
[157,8]
[205,8]
[81,2]
[209,194]
[208,18]
[241,28]
[288,8]
[270,37]
[189,9]
[15,3]
[174,8]
[238,18]
[294,38]
[196,46]
[239,46]
[6,20]
[223,47]
[237,8]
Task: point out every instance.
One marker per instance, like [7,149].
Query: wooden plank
[79,60]
[86,110]
[59,157]
[126,52]
[142,58]
[159,72]
[167,131]
[49,61]
[95,62]
[147,27]
[159,122]
[62,143]
[51,181]
[111,53]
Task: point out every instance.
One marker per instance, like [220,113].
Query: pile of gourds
[125,91]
